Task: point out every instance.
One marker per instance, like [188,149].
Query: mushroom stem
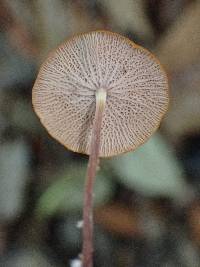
[91,172]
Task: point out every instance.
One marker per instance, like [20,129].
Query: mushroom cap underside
[135,83]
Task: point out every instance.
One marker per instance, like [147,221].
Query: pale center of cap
[101,97]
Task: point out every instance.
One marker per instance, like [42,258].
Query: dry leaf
[180,47]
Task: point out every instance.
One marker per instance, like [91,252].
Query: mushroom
[100,94]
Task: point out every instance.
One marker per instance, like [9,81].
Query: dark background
[147,202]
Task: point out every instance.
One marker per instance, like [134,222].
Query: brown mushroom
[100,94]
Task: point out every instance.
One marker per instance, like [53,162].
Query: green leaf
[152,170]
[66,192]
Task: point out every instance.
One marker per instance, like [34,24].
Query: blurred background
[147,202]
